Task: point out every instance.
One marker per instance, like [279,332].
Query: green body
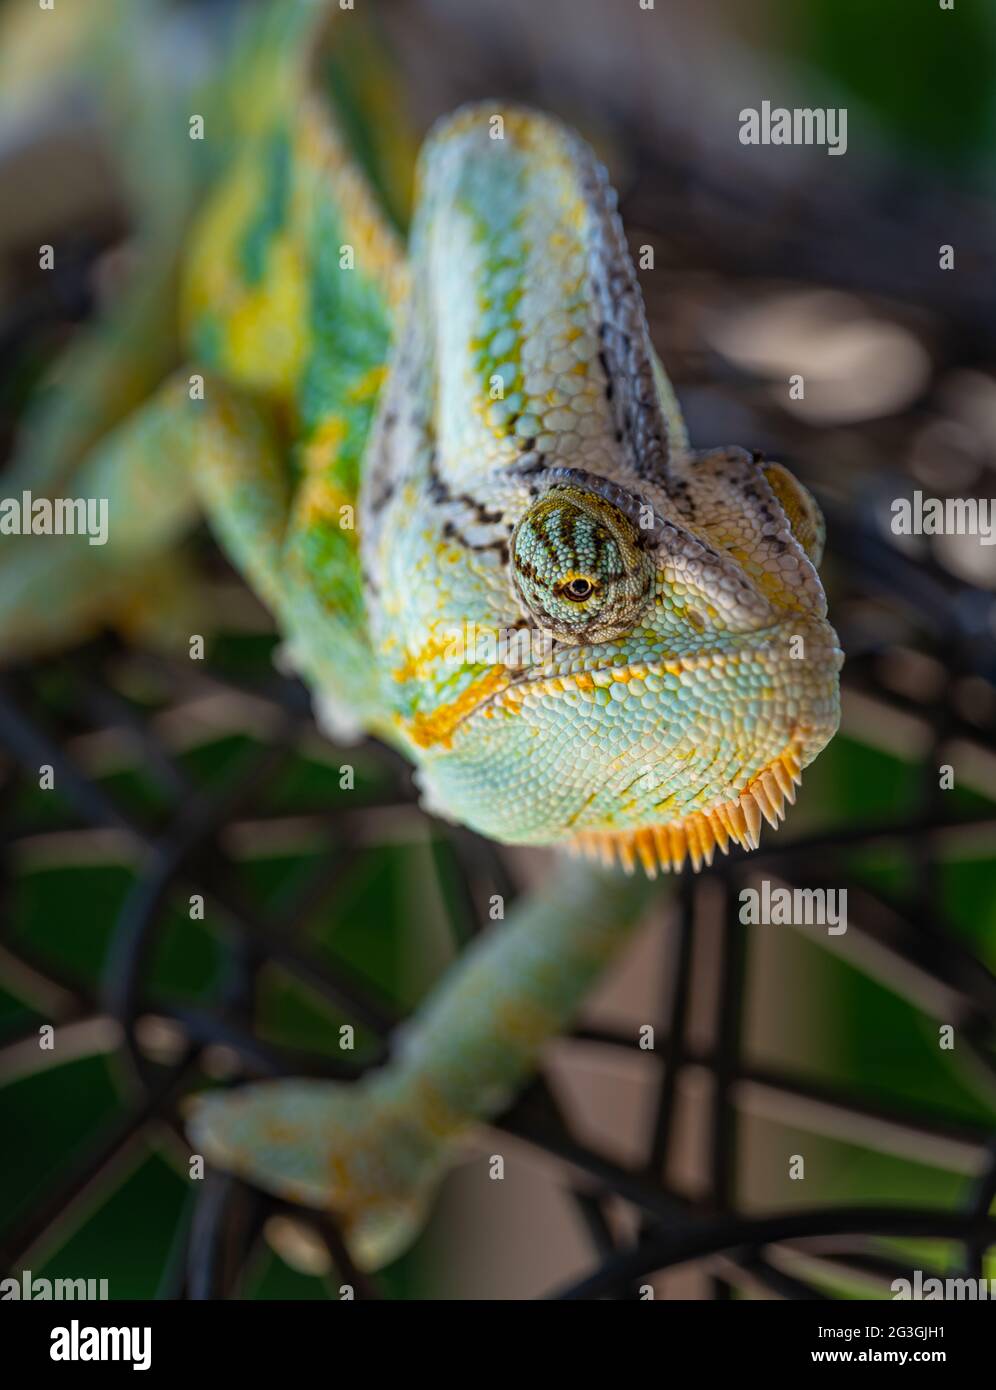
[458,478]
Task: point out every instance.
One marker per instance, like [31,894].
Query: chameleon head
[591,635]
[679,676]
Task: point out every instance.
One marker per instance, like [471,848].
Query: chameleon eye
[580,567]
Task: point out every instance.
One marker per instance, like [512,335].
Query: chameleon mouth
[696,837]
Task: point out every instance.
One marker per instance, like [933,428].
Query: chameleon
[445,455]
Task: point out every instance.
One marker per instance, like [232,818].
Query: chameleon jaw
[696,837]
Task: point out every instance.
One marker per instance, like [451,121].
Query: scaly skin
[515,464]
[686,691]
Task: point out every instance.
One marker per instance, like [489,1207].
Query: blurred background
[326,906]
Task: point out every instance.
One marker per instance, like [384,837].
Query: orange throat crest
[695,837]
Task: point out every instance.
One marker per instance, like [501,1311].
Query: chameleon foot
[349,1149]
[373,1152]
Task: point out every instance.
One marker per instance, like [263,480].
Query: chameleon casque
[415,459]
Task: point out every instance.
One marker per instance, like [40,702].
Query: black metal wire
[182,850]
[186,850]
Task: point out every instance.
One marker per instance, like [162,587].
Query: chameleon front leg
[374,1151]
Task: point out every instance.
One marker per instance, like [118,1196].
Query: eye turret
[580,567]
